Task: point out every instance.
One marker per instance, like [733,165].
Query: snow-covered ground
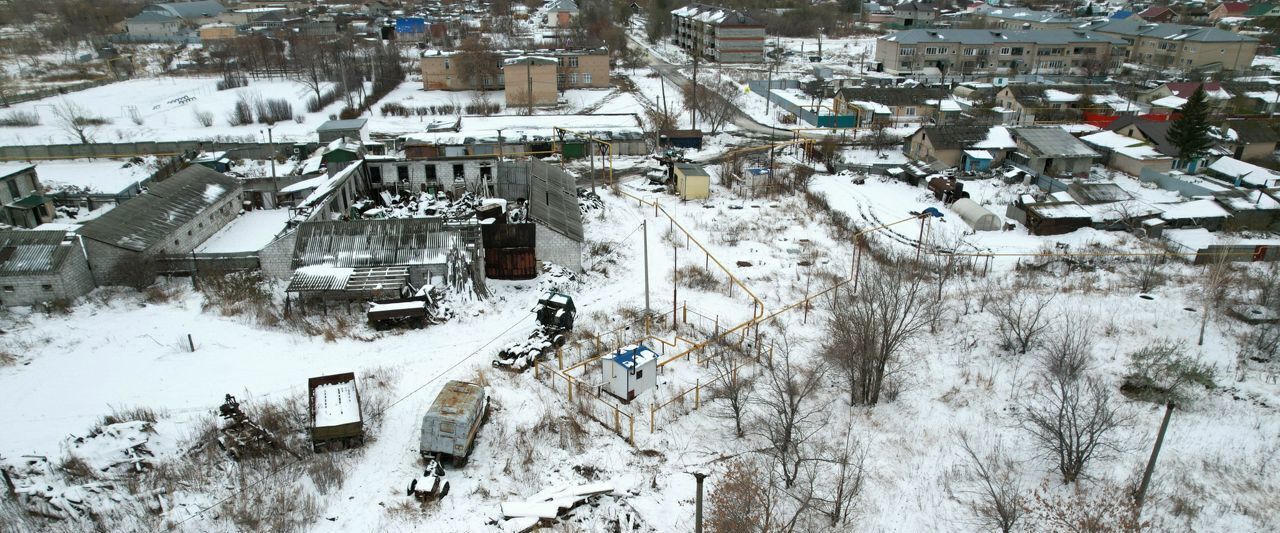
[106,176]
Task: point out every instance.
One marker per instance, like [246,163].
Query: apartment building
[574,69]
[1012,18]
[965,52]
[1179,46]
[718,34]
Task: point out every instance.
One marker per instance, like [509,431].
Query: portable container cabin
[335,410]
[450,426]
[692,182]
[630,371]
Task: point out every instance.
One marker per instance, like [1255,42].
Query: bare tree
[866,332]
[1147,272]
[311,59]
[1070,417]
[994,493]
[1217,278]
[1068,348]
[788,418]
[734,386]
[75,120]
[477,63]
[1162,372]
[845,467]
[737,502]
[1021,315]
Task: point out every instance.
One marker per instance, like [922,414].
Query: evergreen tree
[1190,132]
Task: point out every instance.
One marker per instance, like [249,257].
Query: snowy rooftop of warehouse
[522,127]
[249,232]
[105,176]
[1199,208]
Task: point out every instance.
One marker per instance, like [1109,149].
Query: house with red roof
[1228,9]
[1158,14]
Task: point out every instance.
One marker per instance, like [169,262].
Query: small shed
[630,371]
[977,217]
[681,139]
[692,182]
[339,129]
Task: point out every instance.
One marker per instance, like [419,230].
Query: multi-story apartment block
[965,52]
[574,69]
[1179,46]
[718,34]
[1022,19]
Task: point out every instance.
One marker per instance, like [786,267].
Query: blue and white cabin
[630,371]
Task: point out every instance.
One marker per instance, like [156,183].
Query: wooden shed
[692,182]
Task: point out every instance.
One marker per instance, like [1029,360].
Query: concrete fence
[134,149]
[28,96]
[207,263]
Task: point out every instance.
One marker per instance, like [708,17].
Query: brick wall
[553,247]
[276,257]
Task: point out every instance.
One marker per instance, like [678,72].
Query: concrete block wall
[554,247]
[276,257]
[70,282]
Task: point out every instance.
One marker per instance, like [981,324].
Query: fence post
[697,394]
[535,369]
[651,411]
[569,381]
[617,424]
[560,357]
[632,430]
[686,311]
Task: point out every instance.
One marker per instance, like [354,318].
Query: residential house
[1155,133]
[170,219]
[896,105]
[1214,92]
[1250,140]
[1051,151]
[573,69]
[1042,103]
[1243,174]
[948,146]
[915,14]
[951,52]
[1127,154]
[22,199]
[1177,46]
[718,34]
[351,129]
[1253,97]
[1228,10]
[1158,14]
[560,13]
[1263,9]
[1022,19]
[40,267]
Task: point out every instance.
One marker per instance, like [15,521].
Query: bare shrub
[1109,510]
[787,417]
[696,277]
[20,119]
[326,472]
[273,110]
[232,81]
[867,332]
[1215,282]
[205,118]
[241,112]
[733,388]
[737,501]
[993,492]
[1070,418]
[844,470]
[1021,315]
[135,116]
[275,507]
[141,414]
[77,469]
[1146,273]
[7,359]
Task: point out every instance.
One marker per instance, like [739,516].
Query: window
[375,174]
[175,242]
[1005,51]
[8,288]
[573,78]
[639,374]
[906,51]
[971,51]
[47,288]
[909,111]
[402,173]
[906,64]
[446,64]
[586,78]
[459,172]
[430,172]
[13,188]
[573,62]
[934,50]
[447,427]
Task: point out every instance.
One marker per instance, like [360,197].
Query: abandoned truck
[449,427]
[335,411]
[555,314]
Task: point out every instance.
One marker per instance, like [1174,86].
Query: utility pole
[693,91]
[1151,463]
[675,285]
[275,182]
[645,226]
[528,71]
[591,158]
[697,520]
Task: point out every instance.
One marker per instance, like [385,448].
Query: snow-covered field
[123,351]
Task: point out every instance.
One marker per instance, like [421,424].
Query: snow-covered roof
[1246,172]
[1194,209]
[1171,102]
[998,138]
[336,404]
[1110,139]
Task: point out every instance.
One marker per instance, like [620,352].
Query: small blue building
[630,371]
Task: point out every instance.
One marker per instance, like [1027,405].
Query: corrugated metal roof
[1057,36]
[29,252]
[387,242]
[1173,32]
[150,218]
[553,201]
[1053,141]
[349,124]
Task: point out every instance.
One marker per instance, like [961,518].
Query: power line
[373,416]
